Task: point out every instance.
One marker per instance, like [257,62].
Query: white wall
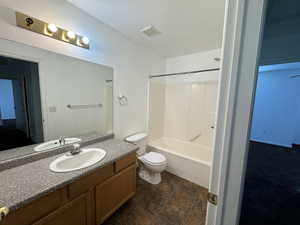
[75,82]
[197,61]
[276,113]
[190,110]
[7,105]
[132,63]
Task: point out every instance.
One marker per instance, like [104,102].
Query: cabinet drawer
[37,209]
[86,183]
[125,161]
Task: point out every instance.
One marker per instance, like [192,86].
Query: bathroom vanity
[82,197]
[60,101]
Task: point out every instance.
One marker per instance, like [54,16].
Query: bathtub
[185,159]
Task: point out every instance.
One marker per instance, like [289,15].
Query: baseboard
[271,143]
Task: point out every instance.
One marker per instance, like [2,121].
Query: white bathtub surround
[190,111]
[184,107]
[151,163]
[182,123]
[185,159]
[182,112]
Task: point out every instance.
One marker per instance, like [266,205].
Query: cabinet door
[37,209]
[114,192]
[76,212]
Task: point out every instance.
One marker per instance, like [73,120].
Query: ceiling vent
[150,31]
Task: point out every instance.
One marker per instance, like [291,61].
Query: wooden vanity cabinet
[87,201]
[36,210]
[114,192]
[75,212]
[89,182]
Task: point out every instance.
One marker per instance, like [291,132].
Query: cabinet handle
[3,212]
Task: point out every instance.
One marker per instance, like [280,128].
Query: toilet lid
[136,137]
[154,158]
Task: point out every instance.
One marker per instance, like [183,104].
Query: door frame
[42,82]
[21,80]
[243,28]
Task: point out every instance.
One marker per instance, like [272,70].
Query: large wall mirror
[50,98]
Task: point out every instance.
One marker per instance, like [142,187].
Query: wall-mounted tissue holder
[122,99]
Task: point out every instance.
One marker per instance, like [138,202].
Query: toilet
[151,164]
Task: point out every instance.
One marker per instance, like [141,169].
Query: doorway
[271,190]
[20,103]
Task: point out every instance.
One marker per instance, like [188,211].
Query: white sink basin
[87,157]
[54,144]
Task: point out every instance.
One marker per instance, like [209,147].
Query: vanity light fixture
[51,30]
[71,35]
[85,41]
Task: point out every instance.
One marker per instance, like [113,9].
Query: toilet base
[150,177]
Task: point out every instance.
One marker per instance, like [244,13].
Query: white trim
[243,24]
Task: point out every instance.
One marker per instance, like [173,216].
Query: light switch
[52,109]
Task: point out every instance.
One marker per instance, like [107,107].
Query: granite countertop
[29,149]
[23,184]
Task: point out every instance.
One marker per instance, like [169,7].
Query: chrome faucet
[75,150]
[62,140]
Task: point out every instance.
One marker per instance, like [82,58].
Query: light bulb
[70,35]
[52,28]
[85,41]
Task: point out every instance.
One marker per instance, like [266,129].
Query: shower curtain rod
[183,73]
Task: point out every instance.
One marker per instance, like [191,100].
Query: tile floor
[174,201]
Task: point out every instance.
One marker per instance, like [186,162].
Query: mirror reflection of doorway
[20,104]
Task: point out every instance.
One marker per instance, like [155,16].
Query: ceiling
[186,26]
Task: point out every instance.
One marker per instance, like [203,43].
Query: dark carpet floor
[174,201]
[272,186]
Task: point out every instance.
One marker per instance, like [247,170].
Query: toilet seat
[154,158]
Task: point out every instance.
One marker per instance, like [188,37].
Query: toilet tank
[140,139]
